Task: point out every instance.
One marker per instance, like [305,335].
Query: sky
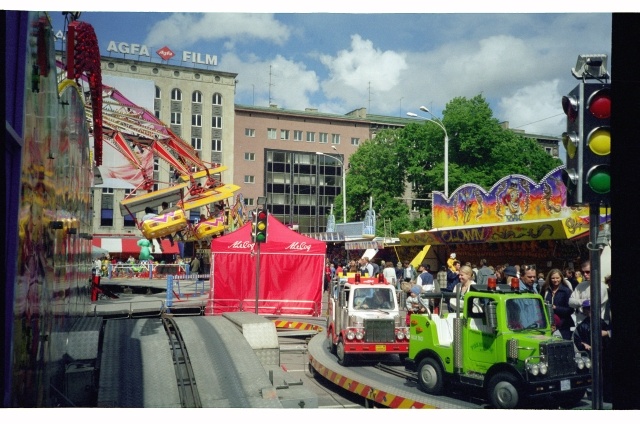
[388,62]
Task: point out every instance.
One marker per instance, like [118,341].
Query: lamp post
[446,145]
[344,185]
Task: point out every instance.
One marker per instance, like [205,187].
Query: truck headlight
[359,334]
[544,368]
[351,335]
[580,363]
[400,335]
[587,362]
[533,369]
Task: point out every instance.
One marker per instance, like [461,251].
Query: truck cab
[363,318]
[500,342]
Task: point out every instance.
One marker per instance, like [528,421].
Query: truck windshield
[373,298]
[525,314]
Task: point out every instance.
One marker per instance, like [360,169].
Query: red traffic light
[570,107]
[599,104]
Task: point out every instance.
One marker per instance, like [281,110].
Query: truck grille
[379,330]
[560,357]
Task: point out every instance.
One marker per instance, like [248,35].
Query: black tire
[503,391]
[430,376]
[570,400]
[343,359]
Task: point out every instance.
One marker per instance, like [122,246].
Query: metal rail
[187,389]
[411,376]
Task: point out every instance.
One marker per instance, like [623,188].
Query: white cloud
[185,29]
[279,81]
[535,108]
[352,73]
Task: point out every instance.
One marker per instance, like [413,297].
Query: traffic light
[260,228]
[596,152]
[572,174]
[588,143]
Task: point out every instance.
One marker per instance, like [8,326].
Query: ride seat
[165,224]
[210,227]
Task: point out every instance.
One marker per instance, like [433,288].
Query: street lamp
[446,145]
[344,185]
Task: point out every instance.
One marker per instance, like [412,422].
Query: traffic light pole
[257,276]
[596,327]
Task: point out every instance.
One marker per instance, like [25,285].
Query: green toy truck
[500,342]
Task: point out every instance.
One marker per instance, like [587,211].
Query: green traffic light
[260,238]
[599,179]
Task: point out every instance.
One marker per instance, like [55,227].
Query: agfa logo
[165,53]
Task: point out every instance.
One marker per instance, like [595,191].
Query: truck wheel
[332,345]
[343,359]
[572,399]
[430,376]
[503,391]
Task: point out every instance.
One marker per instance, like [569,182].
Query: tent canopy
[290,275]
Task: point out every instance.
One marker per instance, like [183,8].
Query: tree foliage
[481,151]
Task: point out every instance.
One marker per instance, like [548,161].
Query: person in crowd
[441,277]
[327,274]
[389,274]
[582,341]
[569,275]
[410,274]
[557,294]
[500,277]
[508,273]
[195,265]
[353,267]
[607,282]
[339,270]
[484,272]
[582,292]
[399,272]
[528,281]
[579,276]
[413,304]
[366,268]
[453,276]
[450,261]
[465,280]
[425,279]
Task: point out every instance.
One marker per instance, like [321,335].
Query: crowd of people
[115,267]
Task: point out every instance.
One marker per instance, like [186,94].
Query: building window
[216,122]
[249,179]
[128,218]
[106,210]
[217,99]
[196,120]
[176,94]
[158,92]
[248,201]
[311,136]
[284,134]
[355,141]
[249,132]
[216,145]
[549,151]
[249,156]
[297,135]
[271,133]
[196,97]
[324,138]
[176,118]
[335,138]
[196,143]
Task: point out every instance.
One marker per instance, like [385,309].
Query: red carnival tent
[291,272]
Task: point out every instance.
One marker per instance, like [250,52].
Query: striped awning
[130,246]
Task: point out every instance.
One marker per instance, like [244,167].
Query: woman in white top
[466,280]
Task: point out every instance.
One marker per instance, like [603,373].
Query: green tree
[481,151]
